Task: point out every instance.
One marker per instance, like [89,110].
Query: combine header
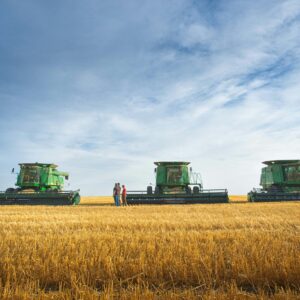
[176,184]
[39,184]
[280,181]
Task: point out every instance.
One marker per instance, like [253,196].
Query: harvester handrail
[202,191]
[214,190]
[195,178]
[136,192]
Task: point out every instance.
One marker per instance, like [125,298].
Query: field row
[96,250]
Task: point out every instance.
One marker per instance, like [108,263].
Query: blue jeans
[117,200]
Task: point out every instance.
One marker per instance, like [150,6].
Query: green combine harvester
[177,184]
[39,184]
[280,181]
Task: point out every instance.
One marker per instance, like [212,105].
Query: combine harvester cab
[39,184]
[177,184]
[280,181]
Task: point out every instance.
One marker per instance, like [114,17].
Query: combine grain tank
[280,181]
[39,183]
[176,184]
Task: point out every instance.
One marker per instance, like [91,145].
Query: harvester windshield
[30,174]
[174,175]
[292,173]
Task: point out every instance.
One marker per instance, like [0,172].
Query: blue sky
[104,88]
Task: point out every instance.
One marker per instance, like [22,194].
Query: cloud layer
[105,88]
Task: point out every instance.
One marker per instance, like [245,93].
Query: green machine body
[279,180]
[40,183]
[176,183]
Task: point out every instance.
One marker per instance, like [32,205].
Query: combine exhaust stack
[280,181]
[39,184]
[176,184]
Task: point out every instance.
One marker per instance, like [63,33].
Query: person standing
[116,195]
[124,194]
[118,192]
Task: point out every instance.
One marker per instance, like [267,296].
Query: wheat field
[98,251]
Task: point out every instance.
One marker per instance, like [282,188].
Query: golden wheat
[96,250]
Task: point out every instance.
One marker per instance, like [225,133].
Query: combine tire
[196,190]
[76,199]
[149,190]
[250,197]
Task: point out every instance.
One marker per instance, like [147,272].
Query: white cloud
[217,87]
